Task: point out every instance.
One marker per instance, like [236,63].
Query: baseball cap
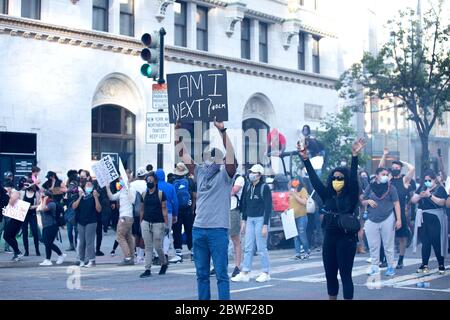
[141,172]
[257,168]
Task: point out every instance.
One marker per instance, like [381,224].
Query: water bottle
[365,215]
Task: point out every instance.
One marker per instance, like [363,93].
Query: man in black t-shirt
[154,224]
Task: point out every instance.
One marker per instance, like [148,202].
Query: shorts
[235,222]
[136,228]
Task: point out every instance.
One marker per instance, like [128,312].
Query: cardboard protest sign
[105,171]
[17,212]
[289,226]
[197,96]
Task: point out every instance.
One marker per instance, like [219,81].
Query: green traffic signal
[149,70]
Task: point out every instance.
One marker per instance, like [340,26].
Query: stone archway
[116,107]
[258,117]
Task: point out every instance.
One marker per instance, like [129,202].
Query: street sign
[158,128]
[159,97]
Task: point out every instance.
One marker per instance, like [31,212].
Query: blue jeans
[211,243]
[253,228]
[71,228]
[301,239]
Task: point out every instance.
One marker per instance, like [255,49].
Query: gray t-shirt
[385,205]
[213,199]
[48,217]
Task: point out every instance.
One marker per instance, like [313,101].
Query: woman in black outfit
[31,195]
[339,196]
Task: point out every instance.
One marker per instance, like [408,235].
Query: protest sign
[18,211]
[105,171]
[289,226]
[197,96]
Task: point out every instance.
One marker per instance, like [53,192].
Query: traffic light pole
[162,33]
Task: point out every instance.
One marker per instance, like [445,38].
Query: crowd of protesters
[351,213]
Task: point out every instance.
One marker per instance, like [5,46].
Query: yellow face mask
[338,185]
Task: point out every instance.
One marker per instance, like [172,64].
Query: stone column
[191,25]
[254,40]
[114,17]
[308,52]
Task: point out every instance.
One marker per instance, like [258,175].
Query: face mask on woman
[428,184]
[338,185]
[253,177]
[384,179]
[89,190]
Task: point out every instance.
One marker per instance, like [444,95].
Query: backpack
[182,190]
[239,200]
[261,190]
[311,204]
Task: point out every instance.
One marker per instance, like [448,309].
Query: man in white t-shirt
[235,221]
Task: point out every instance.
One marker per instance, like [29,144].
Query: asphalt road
[291,280]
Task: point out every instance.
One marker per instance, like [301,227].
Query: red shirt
[281,138]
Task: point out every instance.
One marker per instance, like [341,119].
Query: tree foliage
[413,67]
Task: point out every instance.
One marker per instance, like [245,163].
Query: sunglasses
[338,178]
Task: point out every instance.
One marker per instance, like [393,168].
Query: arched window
[114,131]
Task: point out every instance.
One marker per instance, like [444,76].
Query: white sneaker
[263,277]
[369,260]
[241,277]
[176,259]
[373,270]
[46,262]
[90,264]
[82,264]
[61,258]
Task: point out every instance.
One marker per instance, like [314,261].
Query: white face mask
[384,179]
[253,177]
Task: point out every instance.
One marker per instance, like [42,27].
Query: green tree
[337,137]
[413,67]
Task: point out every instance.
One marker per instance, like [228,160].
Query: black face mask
[395,173]
[150,185]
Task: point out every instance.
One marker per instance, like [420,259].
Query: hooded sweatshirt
[169,191]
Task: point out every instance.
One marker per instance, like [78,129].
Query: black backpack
[59,215]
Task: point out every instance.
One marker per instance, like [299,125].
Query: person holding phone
[431,221]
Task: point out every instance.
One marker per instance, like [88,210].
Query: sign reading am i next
[197,96]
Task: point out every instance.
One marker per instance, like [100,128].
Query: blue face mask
[428,184]
[89,190]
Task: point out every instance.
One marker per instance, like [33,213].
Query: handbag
[69,216]
[311,204]
[349,223]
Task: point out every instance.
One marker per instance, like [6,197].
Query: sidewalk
[33,260]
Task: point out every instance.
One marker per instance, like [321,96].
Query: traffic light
[151,54]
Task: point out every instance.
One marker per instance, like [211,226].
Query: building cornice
[33,29]
[213,61]
[263,16]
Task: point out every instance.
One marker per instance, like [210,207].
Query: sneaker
[390,272]
[236,271]
[112,253]
[263,277]
[155,261]
[304,256]
[373,270]
[163,269]
[82,264]
[61,258]
[176,259]
[212,272]
[8,250]
[383,265]
[241,277]
[441,269]
[46,262]
[423,269]
[17,257]
[99,253]
[369,260]
[90,264]
[296,257]
[146,274]
[127,262]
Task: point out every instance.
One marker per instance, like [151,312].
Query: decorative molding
[234,13]
[263,16]
[163,4]
[33,29]
[290,29]
[317,31]
[211,3]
